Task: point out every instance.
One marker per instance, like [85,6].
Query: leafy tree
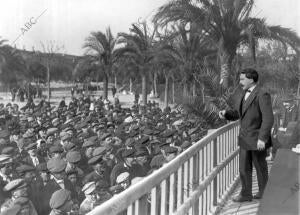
[139,45]
[227,24]
[12,66]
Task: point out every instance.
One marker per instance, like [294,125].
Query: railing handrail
[121,201]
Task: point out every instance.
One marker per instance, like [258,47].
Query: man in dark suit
[254,109]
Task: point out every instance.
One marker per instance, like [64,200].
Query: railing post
[141,205]
[215,163]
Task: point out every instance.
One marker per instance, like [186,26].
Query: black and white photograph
[149,107]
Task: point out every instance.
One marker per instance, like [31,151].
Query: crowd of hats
[86,130]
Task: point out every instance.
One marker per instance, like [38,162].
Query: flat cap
[122,177]
[65,137]
[69,146]
[25,168]
[31,146]
[51,131]
[129,142]
[5,159]
[93,138]
[59,198]
[105,135]
[56,165]
[141,152]
[73,156]
[42,167]
[8,150]
[157,161]
[99,151]
[15,184]
[170,149]
[88,143]
[56,149]
[4,134]
[192,131]
[186,144]
[94,160]
[128,153]
[144,140]
[169,133]
[148,131]
[89,187]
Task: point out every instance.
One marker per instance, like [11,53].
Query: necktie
[247,93]
[35,161]
[61,183]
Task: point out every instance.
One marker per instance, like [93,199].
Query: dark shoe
[241,199]
[257,196]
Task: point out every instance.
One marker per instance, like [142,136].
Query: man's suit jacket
[256,116]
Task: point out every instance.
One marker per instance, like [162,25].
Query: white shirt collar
[252,88]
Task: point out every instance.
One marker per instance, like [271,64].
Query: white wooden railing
[196,182]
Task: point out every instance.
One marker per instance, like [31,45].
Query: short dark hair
[250,74]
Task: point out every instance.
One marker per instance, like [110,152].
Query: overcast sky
[69,22]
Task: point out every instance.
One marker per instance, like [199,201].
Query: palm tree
[128,70]
[101,46]
[167,63]
[140,46]
[227,24]
[190,48]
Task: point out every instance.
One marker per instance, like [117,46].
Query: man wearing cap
[130,164]
[58,180]
[5,168]
[99,171]
[19,198]
[73,158]
[73,177]
[5,175]
[91,198]
[169,152]
[56,151]
[61,203]
[33,158]
[28,173]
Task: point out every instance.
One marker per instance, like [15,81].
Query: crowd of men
[72,157]
[19,93]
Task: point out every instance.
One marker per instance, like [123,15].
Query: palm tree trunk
[298,91]
[152,85]
[167,91]
[185,89]
[105,86]
[155,85]
[144,88]
[116,83]
[48,80]
[203,96]
[225,61]
[194,88]
[173,90]
[130,85]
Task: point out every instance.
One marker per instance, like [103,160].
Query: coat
[50,188]
[256,118]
